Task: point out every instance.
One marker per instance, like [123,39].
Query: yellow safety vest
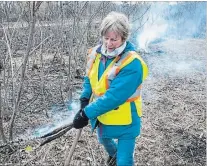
[121,115]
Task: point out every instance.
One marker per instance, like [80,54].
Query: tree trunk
[29,46]
[1,121]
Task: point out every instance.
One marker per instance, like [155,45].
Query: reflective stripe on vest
[121,115]
[122,62]
[90,59]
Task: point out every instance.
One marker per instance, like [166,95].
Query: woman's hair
[116,22]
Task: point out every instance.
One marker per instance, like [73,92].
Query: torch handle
[72,149]
[68,159]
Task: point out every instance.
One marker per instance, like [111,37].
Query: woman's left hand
[80,120]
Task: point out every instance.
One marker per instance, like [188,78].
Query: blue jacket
[121,88]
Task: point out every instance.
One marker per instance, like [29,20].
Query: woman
[115,73]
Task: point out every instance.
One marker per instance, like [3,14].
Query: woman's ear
[123,40]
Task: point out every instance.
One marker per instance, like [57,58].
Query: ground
[173,123]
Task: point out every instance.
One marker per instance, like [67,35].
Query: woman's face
[112,40]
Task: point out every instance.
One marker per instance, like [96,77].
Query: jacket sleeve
[86,93]
[121,88]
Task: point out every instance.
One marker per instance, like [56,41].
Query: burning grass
[174,117]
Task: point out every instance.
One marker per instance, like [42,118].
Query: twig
[32,101]
[40,44]
[142,14]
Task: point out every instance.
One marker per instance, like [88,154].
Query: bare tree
[34,7]
[1,121]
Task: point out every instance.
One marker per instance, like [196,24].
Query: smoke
[59,116]
[174,20]
[151,33]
